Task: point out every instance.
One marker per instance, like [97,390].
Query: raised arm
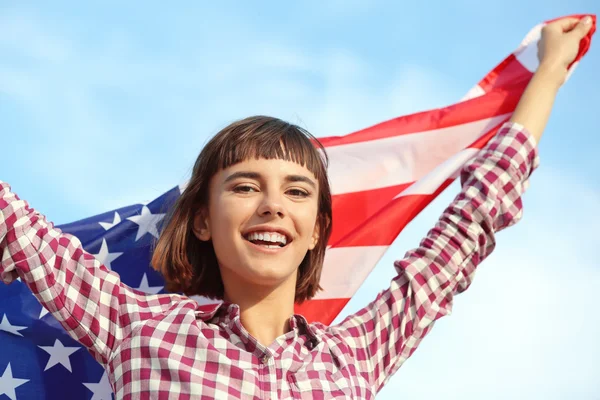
[557,49]
[386,332]
[89,300]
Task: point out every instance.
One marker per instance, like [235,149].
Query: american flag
[382,177]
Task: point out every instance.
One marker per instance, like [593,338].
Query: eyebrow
[257,176]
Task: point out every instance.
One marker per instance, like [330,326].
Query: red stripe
[350,210]
[321,310]
[498,102]
[508,73]
[385,225]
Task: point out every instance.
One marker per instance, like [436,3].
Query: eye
[244,189]
[298,193]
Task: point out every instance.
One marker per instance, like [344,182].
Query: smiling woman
[261,175]
[251,228]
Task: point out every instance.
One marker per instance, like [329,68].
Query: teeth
[273,237]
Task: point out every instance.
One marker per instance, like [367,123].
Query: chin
[267,273]
[263,268]
[273,275]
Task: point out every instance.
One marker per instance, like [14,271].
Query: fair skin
[277,197]
[271,195]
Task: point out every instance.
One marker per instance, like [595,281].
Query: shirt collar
[225,313]
[206,312]
[298,321]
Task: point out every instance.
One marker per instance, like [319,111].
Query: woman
[251,229]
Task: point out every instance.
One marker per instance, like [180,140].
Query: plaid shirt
[163,346]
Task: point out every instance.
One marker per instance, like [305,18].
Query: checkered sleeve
[88,299]
[386,332]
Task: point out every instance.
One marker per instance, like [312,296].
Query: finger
[583,27]
[564,24]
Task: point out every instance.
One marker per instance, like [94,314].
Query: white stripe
[476,91]
[346,268]
[449,169]
[527,52]
[402,159]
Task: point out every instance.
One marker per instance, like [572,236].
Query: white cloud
[106,105]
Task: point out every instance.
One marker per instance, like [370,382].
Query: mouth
[268,239]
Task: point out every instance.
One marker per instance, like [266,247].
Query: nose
[271,205]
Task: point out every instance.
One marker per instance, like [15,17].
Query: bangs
[272,139]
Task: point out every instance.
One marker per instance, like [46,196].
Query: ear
[201,226]
[315,237]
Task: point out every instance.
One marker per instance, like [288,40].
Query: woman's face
[262,220]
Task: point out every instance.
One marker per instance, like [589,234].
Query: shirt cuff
[516,144]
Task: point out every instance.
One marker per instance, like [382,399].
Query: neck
[264,311]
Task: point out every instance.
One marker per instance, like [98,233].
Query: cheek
[307,220]
[228,214]
[223,220]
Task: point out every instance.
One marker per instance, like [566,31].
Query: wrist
[551,73]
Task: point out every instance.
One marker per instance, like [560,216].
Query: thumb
[583,27]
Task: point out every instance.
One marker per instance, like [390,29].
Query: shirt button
[310,345]
[265,360]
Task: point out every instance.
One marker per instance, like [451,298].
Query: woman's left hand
[559,44]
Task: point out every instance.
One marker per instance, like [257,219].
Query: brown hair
[188,264]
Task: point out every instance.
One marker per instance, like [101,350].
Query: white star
[8,384]
[43,312]
[148,289]
[59,354]
[108,225]
[105,257]
[7,327]
[147,222]
[101,390]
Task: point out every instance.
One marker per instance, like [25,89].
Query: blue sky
[105,106]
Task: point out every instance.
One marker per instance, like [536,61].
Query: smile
[267,240]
